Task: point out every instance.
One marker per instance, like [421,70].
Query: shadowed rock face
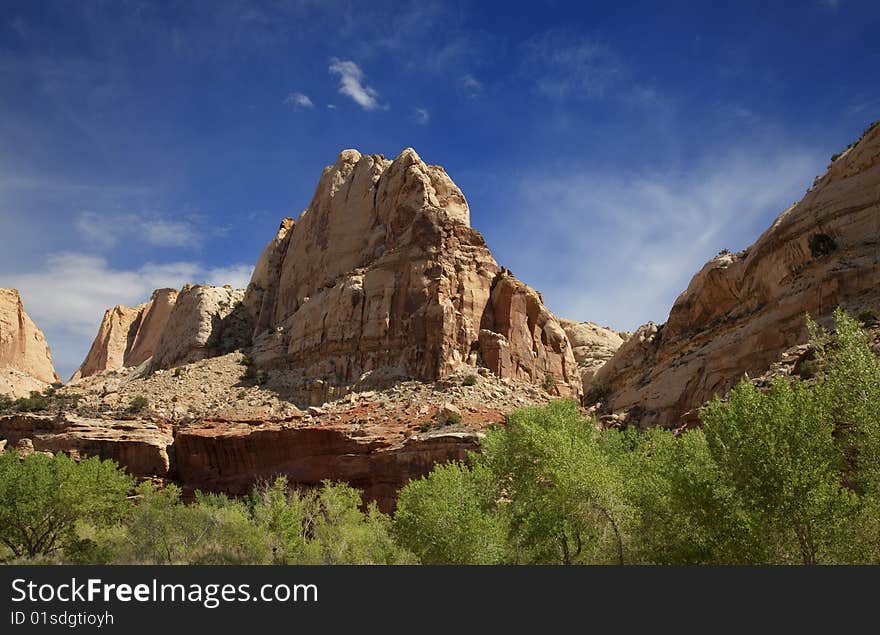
[25,359]
[128,336]
[741,311]
[382,277]
[233,456]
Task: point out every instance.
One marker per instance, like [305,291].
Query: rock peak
[25,358]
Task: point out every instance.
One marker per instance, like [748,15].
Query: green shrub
[470,380]
[138,404]
[34,403]
[549,384]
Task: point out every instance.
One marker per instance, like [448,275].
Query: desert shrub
[34,403]
[549,383]
[821,245]
[138,404]
[470,380]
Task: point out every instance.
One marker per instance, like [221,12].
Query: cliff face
[128,336]
[205,321]
[25,359]
[382,278]
[741,311]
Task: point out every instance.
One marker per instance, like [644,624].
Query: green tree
[564,497]
[777,452]
[451,517]
[42,498]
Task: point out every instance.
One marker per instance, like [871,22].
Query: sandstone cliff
[592,345]
[25,359]
[128,336]
[741,311]
[204,322]
[382,278]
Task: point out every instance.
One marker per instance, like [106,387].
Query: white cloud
[351,84]
[470,85]
[422,116]
[624,246]
[68,297]
[106,230]
[299,99]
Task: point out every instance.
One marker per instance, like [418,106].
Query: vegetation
[138,404]
[786,474]
[470,380]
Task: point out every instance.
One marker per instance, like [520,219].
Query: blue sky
[606,149]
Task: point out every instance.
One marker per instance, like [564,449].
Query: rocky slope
[742,311]
[25,359]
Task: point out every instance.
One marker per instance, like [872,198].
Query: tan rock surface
[592,345]
[25,359]
[128,336]
[741,311]
[382,279]
[139,446]
[205,321]
[522,339]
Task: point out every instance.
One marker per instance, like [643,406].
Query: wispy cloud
[351,83]
[470,85]
[625,245]
[561,65]
[299,99]
[106,230]
[69,295]
[422,116]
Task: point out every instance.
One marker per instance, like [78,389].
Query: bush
[34,403]
[138,404]
[549,384]
[241,394]
[821,245]
[470,380]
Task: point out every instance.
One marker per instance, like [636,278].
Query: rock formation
[233,456]
[205,321]
[381,278]
[128,336]
[141,447]
[741,311]
[25,359]
[592,345]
